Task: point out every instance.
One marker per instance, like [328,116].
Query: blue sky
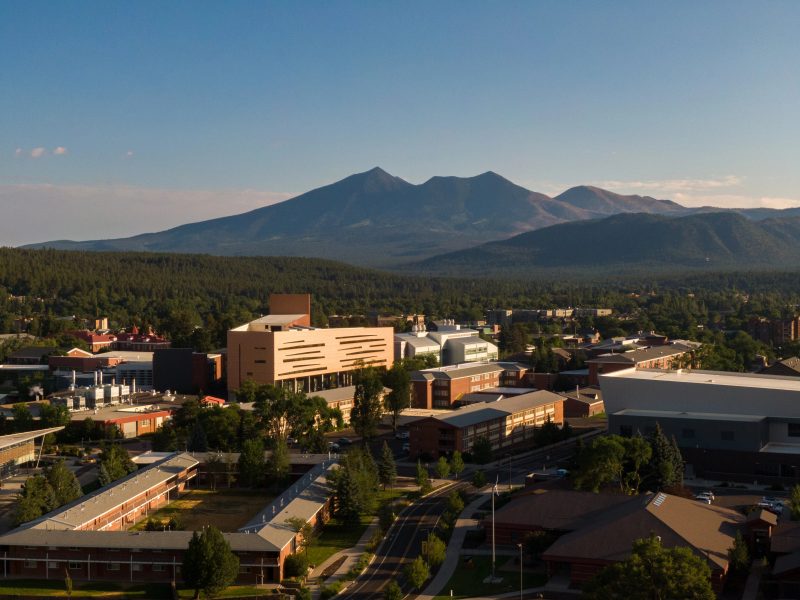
[123,117]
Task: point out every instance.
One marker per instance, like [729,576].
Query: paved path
[464,523]
[350,556]
[753,580]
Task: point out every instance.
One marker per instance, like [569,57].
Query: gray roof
[106,499]
[18,438]
[456,371]
[637,356]
[667,414]
[468,341]
[487,411]
[335,394]
[302,500]
[124,540]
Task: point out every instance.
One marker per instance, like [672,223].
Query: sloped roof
[707,529]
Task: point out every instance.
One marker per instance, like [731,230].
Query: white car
[703,498]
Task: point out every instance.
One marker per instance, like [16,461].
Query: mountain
[376,219]
[634,241]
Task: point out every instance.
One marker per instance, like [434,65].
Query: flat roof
[118,411]
[719,378]
[13,439]
[95,505]
[24,368]
[698,416]
[781,448]
[457,371]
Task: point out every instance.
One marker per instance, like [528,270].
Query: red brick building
[505,423]
[656,357]
[444,386]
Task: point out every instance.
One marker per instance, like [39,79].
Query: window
[136,566]
[244,569]
[30,564]
[74,565]
[158,567]
[794,429]
[727,436]
[52,565]
[687,434]
[113,566]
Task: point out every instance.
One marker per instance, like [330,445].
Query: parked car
[406,447]
[401,435]
[333,447]
[703,497]
[343,441]
[774,505]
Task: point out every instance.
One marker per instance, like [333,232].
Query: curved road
[404,540]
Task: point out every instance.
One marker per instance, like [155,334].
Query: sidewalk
[464,523]
[350,555]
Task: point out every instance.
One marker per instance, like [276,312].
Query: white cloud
[18,152]
[129,154]
[675,185]
[82,212]
[60,151]
[38,152]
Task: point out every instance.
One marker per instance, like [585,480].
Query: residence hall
[283,348]
[583,402]
[88,538]
[505,423]
[729,426]
[443,387]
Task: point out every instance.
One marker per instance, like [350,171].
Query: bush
[295,565]
[329,591]
[479,479]
[303,594]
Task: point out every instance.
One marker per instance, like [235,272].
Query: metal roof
[13,439]
[95,505]
[457,371]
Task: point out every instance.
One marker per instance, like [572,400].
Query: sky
[118,118]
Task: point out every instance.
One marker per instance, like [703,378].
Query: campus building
[443,387]
[283,348]
[504,423]
[728,425]
[19,448]
[88,538]
[449,342]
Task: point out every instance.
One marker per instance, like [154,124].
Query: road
[403,542]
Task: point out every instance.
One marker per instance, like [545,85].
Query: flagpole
[494,492]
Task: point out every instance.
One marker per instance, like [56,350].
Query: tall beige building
[283,348]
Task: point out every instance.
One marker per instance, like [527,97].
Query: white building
[450,343]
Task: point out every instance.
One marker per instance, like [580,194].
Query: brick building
[505,423]
[444,386]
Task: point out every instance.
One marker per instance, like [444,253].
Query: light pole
[520,570]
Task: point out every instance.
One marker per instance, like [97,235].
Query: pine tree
[103,477]
[35,499]
[278,465]
[666,464]
[209,565]
[387,469]
[66,487]
[198,442]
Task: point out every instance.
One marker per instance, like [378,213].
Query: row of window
[74,566]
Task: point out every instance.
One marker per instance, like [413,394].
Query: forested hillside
[195,298]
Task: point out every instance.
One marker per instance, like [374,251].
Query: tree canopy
[654,573]
[209,565]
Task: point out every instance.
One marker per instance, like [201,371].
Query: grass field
[227,509]
[55,589]
[467,581]
[234,591]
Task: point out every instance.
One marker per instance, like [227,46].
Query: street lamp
[520,570]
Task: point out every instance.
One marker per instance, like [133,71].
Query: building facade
[283,349]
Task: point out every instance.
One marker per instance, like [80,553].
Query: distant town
[395,454]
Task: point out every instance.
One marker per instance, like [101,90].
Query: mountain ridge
[380,220]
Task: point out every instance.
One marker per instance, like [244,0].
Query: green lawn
[228,509]
[234,591]
[336,536]
[467,581]
[55,588]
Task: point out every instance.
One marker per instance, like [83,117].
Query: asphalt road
[403,542]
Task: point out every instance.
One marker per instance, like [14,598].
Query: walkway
[753,580]
[463,524]
[351,555]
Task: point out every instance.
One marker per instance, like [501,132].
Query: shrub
[329,591]
[295,565]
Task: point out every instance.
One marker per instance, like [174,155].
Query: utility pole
[494,493]
[520,570]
